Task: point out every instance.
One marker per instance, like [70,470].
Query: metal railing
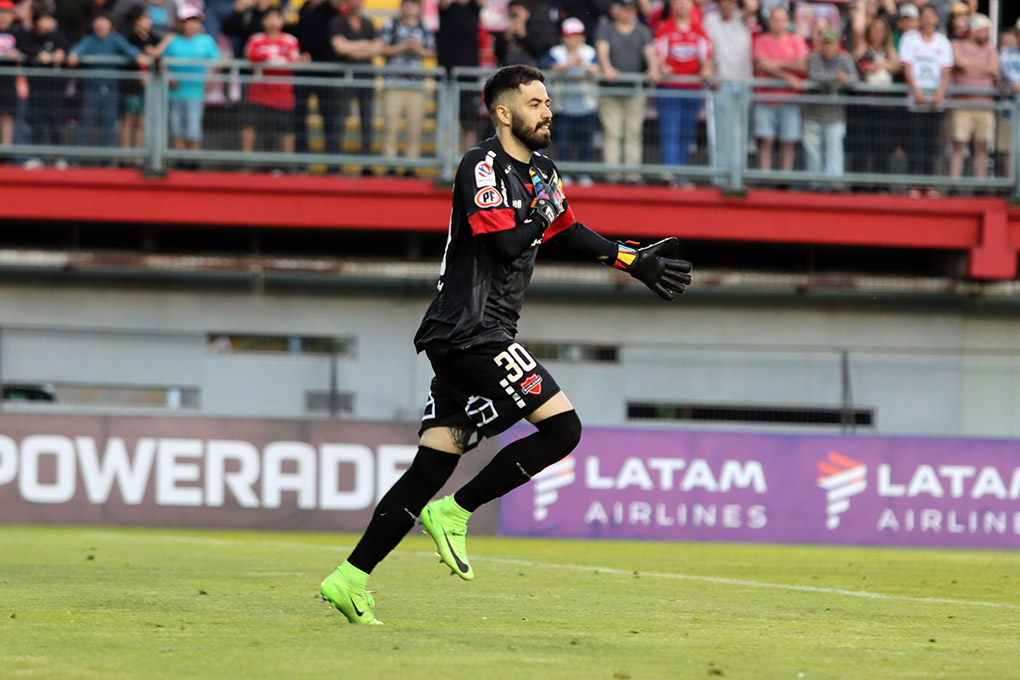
[324,117]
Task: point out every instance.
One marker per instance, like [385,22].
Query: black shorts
[486,389]
[280,121]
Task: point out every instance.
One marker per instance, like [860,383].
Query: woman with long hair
[871,134]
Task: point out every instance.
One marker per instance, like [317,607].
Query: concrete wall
[938,371]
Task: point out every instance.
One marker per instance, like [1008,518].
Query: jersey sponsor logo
[532,384]
[488,198]
[518,203]
[484,176]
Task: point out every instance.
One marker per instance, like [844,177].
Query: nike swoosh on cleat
[456,558]
[354,604]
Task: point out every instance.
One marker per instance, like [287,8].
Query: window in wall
[320,403]
[751,414]
[573,352]
[280,344]
[172,397]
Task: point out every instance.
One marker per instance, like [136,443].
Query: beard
[533,138]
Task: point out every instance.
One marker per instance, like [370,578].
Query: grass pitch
[160,603]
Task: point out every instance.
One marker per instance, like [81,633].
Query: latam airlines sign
[204,472]
[700,485]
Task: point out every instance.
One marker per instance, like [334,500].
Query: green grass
[160,603]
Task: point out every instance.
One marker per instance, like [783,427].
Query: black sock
[518,462]
[399,508]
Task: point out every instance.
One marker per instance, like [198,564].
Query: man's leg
[559,431]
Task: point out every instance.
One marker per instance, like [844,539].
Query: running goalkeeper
[507,200]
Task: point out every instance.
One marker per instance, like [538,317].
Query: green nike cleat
[446,522]
[350,598]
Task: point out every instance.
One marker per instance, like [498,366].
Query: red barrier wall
[988,229]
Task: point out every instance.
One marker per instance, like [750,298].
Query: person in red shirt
[684,50]
[270,99]
[779,54]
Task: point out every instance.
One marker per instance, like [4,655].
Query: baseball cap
[908,11]
[830,35]
[6,6]
[961,8]
[188,12]
[979,22]
[572,26]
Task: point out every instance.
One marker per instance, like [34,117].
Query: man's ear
[503,114]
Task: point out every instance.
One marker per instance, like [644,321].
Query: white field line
[743,583]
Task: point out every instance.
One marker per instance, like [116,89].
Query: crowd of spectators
[628,77]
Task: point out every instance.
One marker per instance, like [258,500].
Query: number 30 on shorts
[516,360]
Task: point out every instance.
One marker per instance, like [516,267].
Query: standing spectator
[162,13]
[138,33]
[927,58]
[216,12]
[515,45]
[270,105]
[871,133]
[684,50]
[624,46]
[9,56]
[355,42]
[779,54]
[45,46]
[406,44]
[825,124]
[590,12]
[187,85]
[1009,64]
[906,21]
[245,22]
[975,64]
[457,45]
[101,96]
[959,22]
[574,95]
[313,34]
[729,29]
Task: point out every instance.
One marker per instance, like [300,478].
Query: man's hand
[548,202]
[546,210]
[657,267]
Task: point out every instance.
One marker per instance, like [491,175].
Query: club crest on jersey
[488,198]
[532,384]
[484,176]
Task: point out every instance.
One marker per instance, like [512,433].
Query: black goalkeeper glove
[656,266]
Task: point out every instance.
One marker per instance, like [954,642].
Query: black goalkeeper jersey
[480,294]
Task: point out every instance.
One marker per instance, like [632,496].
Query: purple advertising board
[715,486]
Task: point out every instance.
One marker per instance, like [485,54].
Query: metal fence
[334,118]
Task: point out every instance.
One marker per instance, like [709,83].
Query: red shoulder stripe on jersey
[488,221]
[562,223]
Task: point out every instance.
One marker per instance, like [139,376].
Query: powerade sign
[278,474]
[674,485]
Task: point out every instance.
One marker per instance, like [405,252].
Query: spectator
[927,58]
[138,33]
[588,11]
[9,56]
[217,12]
[871,130]
[74,17]
[270,105]
[819,25]
[406,44]
[684,50]
[574,95]
[45,46]
[779,54]
[245,22]
[832,70]
[906,21]
[543,24]
[313,35]
[729,29]
[101,96]
[163,15]
[514,45]
[624,46]
[355,42]
[959,21]
[1009,64]
[457,45]
[188,81]
[975,64]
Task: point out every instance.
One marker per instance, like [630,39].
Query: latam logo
[548,482]
[841,477]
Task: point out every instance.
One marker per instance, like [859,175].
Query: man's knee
[564,429]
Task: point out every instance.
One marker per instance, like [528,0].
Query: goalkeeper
[507,200]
